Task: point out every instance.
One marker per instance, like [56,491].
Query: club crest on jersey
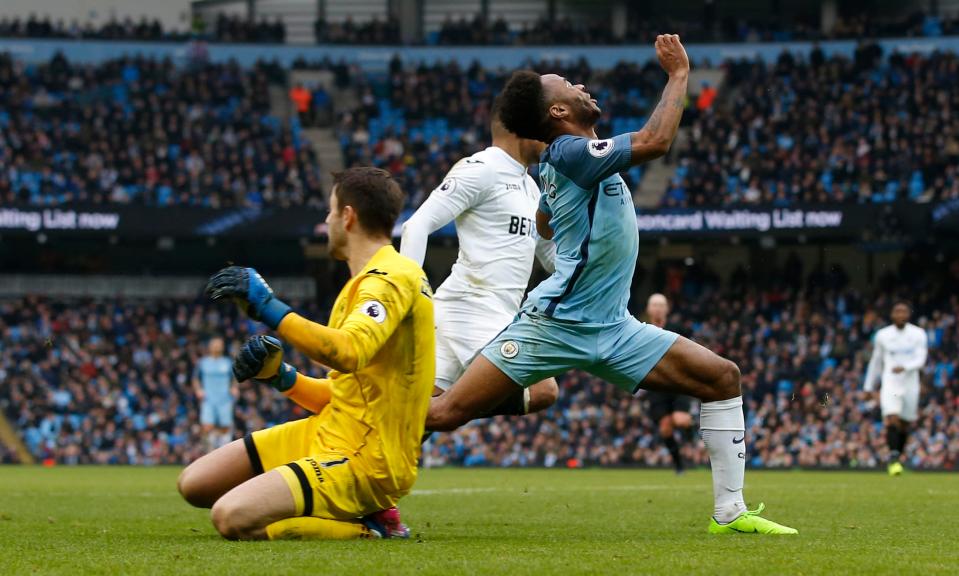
[374,310]
[600,148]
[447,185]
[509,349]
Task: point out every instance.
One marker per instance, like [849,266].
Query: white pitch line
[628,488]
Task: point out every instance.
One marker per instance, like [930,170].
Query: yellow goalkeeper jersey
[377,412]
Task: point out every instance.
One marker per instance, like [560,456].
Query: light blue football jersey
[594,228]
[216,377]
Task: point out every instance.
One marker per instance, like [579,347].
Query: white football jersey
[493,201]
[893,347]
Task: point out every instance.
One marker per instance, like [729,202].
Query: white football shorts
[463,328]
[899,400]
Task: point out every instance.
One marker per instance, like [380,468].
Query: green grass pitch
[90,520]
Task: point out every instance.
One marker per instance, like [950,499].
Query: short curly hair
[523,108]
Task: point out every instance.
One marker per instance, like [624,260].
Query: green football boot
[895,468]
[750,522]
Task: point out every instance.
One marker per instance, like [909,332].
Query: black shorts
[663,404]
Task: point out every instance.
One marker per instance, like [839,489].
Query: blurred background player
[338,473]
[216,390]
[669,411]
[493,201]
[899,353]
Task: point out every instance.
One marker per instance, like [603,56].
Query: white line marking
[523,489]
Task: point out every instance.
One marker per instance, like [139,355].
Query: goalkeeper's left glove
[261,359]
[251,293]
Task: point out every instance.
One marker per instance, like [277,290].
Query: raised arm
[382,306]
[348,348]
[655,138]
[589,161]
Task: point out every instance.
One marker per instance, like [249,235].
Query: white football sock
[723,429]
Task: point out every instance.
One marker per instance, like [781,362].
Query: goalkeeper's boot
[750,522]
[895,468]
[387,524]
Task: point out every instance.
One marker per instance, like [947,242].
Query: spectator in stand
[8,455]
[301,99]
[322,106]
[707,95]
[235,28]
[373,32]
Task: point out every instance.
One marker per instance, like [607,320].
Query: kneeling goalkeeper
[336,474]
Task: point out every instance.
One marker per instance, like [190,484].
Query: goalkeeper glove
[261,359]
[251,293]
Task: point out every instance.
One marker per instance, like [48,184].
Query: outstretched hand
[672,56]
[261,359]
[250,291]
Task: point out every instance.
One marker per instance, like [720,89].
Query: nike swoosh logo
[740,441]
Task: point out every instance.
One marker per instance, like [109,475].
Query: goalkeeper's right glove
[261,359]
[250,291]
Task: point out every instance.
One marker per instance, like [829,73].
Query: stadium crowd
[144,131]
[873,128]
[109,381]
[867,129]
[479,31]
[643,27]
[44,27]
[236,28]
[225,28]
[372,32]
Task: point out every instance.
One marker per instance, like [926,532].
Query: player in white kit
[493,201]
[899,353]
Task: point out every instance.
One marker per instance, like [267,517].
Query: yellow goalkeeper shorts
[323,484]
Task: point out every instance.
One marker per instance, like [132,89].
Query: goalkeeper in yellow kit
[339,473]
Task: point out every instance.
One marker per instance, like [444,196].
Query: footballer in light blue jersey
[591,213]
[213,385]
[577,318]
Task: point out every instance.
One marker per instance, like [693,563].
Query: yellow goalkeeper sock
[310,528]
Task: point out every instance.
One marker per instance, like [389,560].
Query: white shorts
[902,401]
[462,330]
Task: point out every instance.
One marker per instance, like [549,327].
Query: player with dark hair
[339,473]
[577,318]
[899,353]
[669,411]
[493,201]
